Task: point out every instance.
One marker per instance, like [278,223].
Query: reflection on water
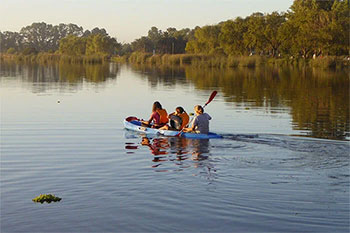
[161,74]
[64,74]
[170,149]
[318,100]
[243,182]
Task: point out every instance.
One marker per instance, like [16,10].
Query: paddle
[212,96]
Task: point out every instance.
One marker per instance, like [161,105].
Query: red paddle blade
[212,96]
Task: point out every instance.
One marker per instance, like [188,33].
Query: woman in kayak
[178,119]
[201,121]
[159,116]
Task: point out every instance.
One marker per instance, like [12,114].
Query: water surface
[283,165]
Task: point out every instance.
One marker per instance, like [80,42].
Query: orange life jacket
[185,119]
[163,116]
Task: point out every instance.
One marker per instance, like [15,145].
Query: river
[282,166]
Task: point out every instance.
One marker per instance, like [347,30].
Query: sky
[128,20]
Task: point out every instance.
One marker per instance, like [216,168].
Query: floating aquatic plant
[46,197]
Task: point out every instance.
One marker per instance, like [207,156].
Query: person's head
[156,106]
[198,109]
[179,110]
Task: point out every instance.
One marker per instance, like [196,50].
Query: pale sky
[128,20]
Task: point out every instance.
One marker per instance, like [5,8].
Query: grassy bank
[54,57]
[230,61]
[196,60]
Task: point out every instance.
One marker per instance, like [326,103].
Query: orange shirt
[163,116]
[185,119]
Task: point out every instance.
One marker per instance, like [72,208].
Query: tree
[100,44]
[254,39]
[231,36]
[154,35]
[206,40]
[39,36]
[143,44]
[339,28]
[11,40]
[73,45]
[96,31]
[274,21]
[124,49]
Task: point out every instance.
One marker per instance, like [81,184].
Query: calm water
[283,165]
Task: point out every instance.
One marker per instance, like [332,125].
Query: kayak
[132,123]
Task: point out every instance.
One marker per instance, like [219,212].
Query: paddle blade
[212,96]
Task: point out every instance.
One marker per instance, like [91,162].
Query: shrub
[11,51]
[29,50]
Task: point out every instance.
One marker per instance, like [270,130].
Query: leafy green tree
[11,51]
[155,36]
[100,44]
[254,38]
[339,28]
[39,36]
[206,40]
[143,44]
[273,23]
[231,36]
[46,37]
[73,45]
[124,49]
[170,41]
[29,51]
[318,27]
[11,40]
[96,31]
[62,30]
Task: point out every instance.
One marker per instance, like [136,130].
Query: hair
[180,109]
[199,109]
[156,105]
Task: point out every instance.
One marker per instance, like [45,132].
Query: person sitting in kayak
[159,116]
[178,119]
[201,121]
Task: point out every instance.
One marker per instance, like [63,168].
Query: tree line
[309,27]
[69,39]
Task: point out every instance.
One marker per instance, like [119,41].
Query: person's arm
[150,118]
[192,128]
[149,121]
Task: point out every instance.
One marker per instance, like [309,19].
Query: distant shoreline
[53,57]
[332,62]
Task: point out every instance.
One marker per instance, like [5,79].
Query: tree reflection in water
[58,75]
[317,100]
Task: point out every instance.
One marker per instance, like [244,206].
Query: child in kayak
[178,119]
[201,121]
[159,116]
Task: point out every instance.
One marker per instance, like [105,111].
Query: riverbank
[230,61]
[54,57]
[197,60]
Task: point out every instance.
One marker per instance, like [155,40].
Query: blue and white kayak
[132,123]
